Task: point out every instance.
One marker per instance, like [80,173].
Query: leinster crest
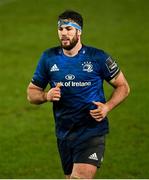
[87,66]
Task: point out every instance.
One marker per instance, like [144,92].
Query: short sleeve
[40,77]
[109,67]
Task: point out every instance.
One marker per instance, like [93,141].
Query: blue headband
[68,23]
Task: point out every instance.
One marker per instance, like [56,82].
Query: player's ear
[79,32]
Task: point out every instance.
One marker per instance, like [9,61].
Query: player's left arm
[120,92]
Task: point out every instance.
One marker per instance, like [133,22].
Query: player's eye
[60,28]
[69,28]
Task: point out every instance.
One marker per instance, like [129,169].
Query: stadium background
[27,140]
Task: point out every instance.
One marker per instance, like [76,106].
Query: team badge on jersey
[87,66]
[111,65]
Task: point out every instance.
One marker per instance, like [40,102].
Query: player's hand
[54,94]
[101,111]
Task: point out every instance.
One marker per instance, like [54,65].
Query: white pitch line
[4,2]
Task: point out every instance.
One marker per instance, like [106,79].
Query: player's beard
[72,43]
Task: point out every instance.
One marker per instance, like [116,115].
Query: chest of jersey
[73,72]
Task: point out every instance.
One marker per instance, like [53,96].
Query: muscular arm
[120,92]
[37,95]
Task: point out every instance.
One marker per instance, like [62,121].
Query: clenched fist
[101,111]
[54,94]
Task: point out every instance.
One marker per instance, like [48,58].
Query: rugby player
[76,73]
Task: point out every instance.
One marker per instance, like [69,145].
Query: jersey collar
[81,51]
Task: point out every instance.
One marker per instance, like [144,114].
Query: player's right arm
[36,95]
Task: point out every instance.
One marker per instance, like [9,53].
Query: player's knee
[67,176]
[83,172]
[82,175]
[75,177]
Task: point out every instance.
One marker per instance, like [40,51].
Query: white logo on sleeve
[93,156]
[54,68]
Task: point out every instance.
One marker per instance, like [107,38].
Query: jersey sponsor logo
[93,156]
[111,65]
[70,77]
[87,66]
[54,68]
[74,84]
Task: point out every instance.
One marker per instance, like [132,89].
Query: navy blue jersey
[82,79]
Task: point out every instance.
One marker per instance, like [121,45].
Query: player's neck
[74,51]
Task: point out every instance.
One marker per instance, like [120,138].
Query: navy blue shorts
[90,151]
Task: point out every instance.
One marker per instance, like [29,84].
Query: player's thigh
[87,157]
[66,157]
[82,170]
[90,151]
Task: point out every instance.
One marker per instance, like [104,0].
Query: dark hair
[73,15]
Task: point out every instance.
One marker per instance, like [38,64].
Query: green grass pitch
[27,140]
